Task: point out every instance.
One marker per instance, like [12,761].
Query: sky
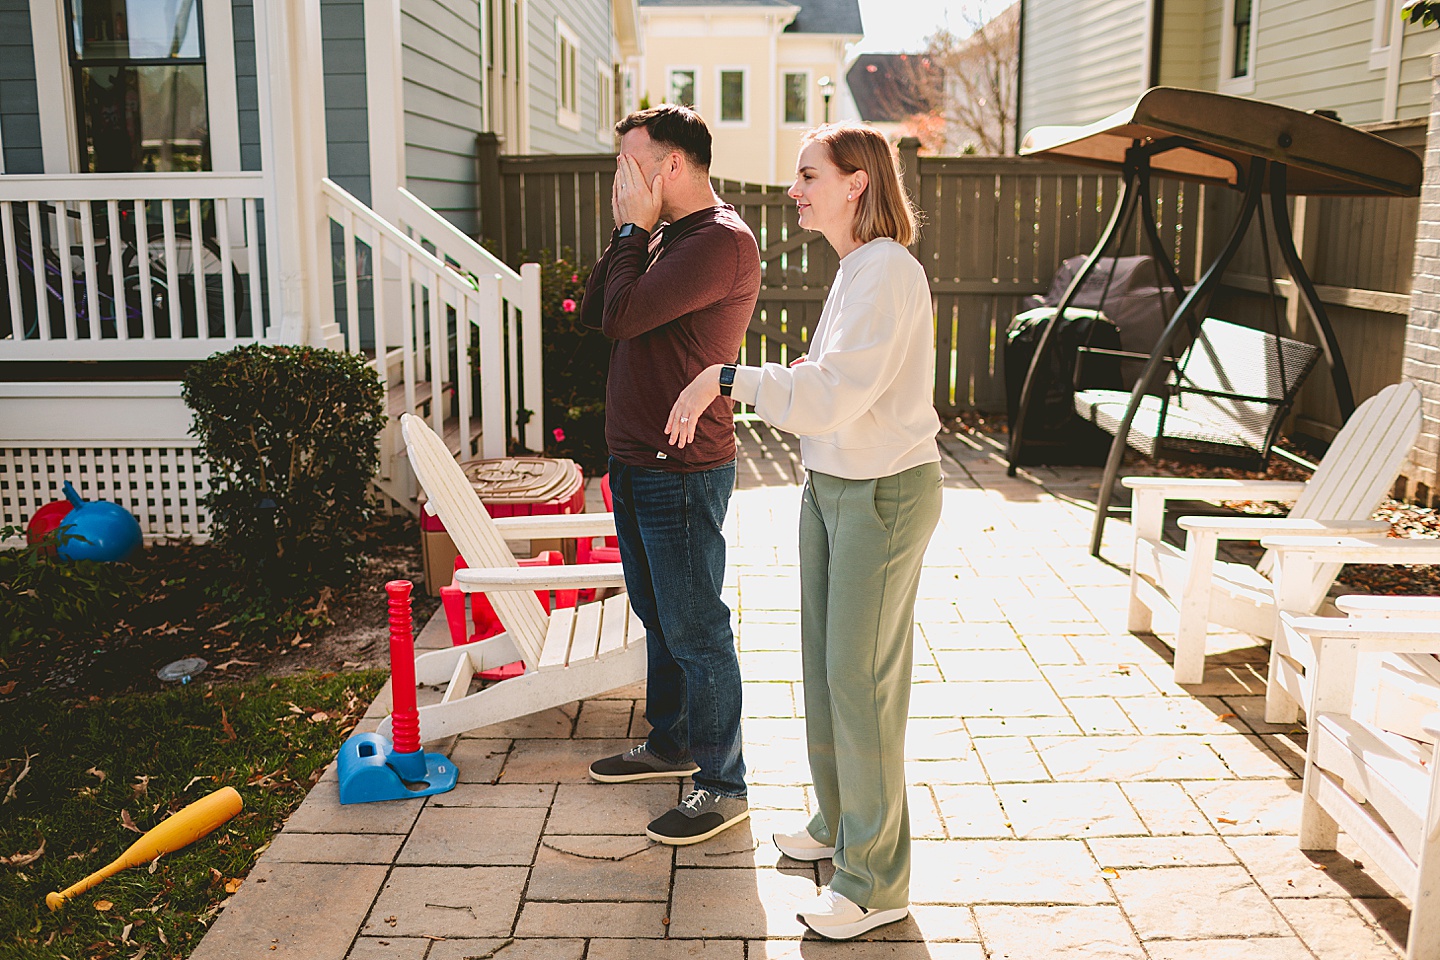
[898,26]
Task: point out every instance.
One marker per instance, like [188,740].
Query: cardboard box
[438,551]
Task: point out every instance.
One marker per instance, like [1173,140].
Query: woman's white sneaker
[802,846]
[836,917]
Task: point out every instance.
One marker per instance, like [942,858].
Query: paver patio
[1066,798]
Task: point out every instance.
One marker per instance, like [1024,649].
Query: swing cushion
[1225,398]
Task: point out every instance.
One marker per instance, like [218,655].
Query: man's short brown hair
[672,127]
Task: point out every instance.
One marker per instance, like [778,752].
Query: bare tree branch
[979,91]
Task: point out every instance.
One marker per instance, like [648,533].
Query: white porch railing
[130,266]
[441,315]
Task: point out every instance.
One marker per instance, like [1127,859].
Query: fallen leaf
[1110,872]
[225,725]
[127,822]
[125,933]
[10,794]
[21,859]
[97,773]
[140,954]
[154,865]
[103,905]
[7,688]
[1227,716]
[319,716]
[1227,820]
[233,884]
[142,785]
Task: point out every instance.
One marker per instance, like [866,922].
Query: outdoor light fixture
[827,90]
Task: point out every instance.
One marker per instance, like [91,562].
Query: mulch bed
[349,628]
[1406,519]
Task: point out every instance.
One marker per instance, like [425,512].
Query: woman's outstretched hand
[693,401]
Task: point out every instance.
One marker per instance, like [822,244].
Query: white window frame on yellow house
[567,80]
[604,102]
[54,87]
[809,76]
[694,72]
[744,119]
[1228,82]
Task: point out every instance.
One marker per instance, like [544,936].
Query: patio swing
[1225,397]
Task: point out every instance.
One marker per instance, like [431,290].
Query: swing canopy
[1218,135]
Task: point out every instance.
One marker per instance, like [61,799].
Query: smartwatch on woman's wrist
[727,379]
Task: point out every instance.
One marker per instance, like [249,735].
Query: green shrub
[290,434]
[45,598]
[576,360]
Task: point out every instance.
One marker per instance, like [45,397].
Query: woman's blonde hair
[885,209]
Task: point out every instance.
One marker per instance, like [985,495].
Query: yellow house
[761,72]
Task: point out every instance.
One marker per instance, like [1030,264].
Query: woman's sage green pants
[862,544]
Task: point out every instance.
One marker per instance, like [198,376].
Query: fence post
[909,148]
[491,220]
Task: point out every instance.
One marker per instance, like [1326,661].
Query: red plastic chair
[482,615]
[585,550]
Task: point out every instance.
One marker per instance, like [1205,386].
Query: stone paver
[1042,933]
[1067,798]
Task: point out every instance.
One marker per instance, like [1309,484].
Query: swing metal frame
[1254,147]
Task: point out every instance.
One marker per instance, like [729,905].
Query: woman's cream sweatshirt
[861,402]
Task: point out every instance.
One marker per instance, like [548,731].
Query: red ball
[46,519]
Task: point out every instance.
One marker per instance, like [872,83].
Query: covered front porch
[119,267]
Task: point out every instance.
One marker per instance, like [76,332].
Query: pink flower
[567,305]
[558,434]
[574,278]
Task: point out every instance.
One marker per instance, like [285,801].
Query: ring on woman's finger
[684,419]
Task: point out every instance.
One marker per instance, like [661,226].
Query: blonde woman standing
[860,403]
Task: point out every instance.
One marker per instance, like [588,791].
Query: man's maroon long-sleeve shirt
[672,312]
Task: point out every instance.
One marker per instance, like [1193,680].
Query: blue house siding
[443,66]
[590,21]
[19,100]
[347,124]
[247,90]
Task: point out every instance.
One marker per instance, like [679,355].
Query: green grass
[74,772]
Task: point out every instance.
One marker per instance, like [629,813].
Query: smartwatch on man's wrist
[626,229]
[727,379]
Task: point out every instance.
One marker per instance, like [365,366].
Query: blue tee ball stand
[370,769]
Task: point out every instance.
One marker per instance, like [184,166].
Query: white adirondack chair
[1357,471]
[1381,788]
[1299,562]
[568,654]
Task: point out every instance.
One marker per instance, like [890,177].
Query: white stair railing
[430,318]
[519,310]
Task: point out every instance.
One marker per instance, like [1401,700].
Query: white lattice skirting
[162,485]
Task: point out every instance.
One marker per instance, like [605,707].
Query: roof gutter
[1019,76]
[1154,42]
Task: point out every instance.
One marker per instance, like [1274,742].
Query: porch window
[138,68]
[1242,26]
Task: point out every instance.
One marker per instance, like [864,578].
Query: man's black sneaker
[638,763]
[699,816]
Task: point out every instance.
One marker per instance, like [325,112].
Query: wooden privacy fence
[995,230]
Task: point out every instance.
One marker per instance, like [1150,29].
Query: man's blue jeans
[668,527]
